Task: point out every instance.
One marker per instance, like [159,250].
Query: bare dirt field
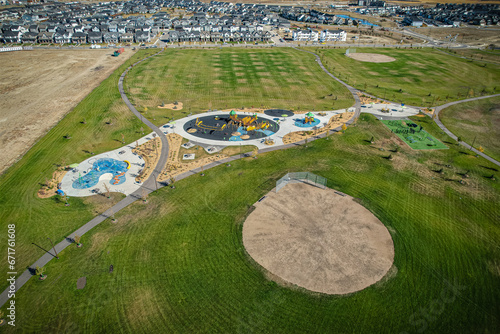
[474,36]
[40,87]
[371,57]
[318,240]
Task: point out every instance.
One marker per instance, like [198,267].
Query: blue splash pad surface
[300,123]
[102,166]
[243,132]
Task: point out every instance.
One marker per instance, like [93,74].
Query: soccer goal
[304,177]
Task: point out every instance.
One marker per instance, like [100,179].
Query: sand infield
[371,57]
[318,240]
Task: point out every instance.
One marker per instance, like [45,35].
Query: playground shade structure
[100,167]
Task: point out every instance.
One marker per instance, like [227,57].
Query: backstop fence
[304,177]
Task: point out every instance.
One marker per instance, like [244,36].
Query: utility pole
[57,257]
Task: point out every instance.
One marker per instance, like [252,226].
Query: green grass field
[419,77]
[180,265]
[35,218]
[478,119]
[179,261]
[417,140]
[233,78]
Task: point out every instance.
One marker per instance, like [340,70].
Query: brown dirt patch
[172,106]
[371,57]
[150,152]
[328,243]
[40,87]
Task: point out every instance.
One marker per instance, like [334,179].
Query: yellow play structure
[249,123]
[199,123]
[128,164]
[309,118]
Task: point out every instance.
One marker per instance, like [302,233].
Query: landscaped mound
[318,240]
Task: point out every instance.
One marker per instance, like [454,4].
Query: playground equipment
[200,124]
[309,118]
[116,178]
[128,164]
[248,123]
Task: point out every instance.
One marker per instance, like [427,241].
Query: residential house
[333,35]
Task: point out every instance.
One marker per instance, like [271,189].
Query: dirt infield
[371,57]
[318,240]
[39,87]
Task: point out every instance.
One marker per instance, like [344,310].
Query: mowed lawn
[180,265]
[476,122]
[233,78]
[106,118]
[420,77]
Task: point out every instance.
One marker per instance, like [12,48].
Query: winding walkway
[449,133]
[151,184]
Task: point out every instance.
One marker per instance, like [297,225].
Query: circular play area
[231,127]
[318,239]
[371,57]
[278,113]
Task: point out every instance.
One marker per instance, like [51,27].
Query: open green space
[106,117]
[232,78]
[415,136]
[179,261]
[420,77]
[477,123]
[180,265]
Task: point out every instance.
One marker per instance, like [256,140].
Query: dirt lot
[40,87]
[318,240]
[467,35]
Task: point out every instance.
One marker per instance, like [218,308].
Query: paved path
[448,132]
[148,186]
[354,91]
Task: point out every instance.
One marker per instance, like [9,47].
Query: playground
[100,167]
[232,127]
[414,135]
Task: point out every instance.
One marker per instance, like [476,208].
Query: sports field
[413,135]
[477,122]
[233,78]
[179,264]
[419,77]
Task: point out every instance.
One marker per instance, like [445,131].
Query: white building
[305,35]
[333,35]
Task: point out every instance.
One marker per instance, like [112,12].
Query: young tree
[108,195]
[77,240]
[480,149]
[144,195]
[344,127]
[39,271]
[123,138]
[112,215]
[142,130]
